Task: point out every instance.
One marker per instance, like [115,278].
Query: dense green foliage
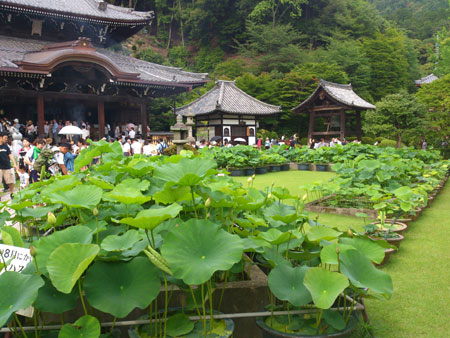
[278,49]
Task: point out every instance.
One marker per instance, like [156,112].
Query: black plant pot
[261,170]
[285,167]
[321,167]
[303,166]
[249,171]
[275,168]
[236,171]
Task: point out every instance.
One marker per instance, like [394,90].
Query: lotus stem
[211,315]
[166,300]
[203,309]
[223,289]
[195,301]
[36,335]
[193,202]
[113,324]
[319,320]
[20,325]
[81,297]
[150,315]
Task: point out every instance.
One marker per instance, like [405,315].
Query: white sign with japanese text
[17,260]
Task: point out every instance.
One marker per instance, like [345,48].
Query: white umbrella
[70,130]
[240,139]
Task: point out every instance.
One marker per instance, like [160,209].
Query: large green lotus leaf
[51,300]
[318,233]
[187,172]
[172,193]
[286,283]
[46,245]
[82,196]
[21,205]
[404,193]
[179,325]
[151,218]
[367,247]
[18,291]
[39,212]
[127,194]
[121,243]
[96,149]
[198,248]
[328,254]
[63,183]
[361,272]
[370,165]
[138,167]
[86,327]
[119,287]
[11,236]
[254,200]
[275,236]
[68,262]
[325,286]
[281,212]
[334,318]
[282,193]
[100,183]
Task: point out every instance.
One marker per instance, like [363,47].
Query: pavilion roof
[38,57]
[426,79]
[228,98]
[342,94]
[87,10]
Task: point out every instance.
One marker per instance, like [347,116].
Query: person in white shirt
[149,149]
[126,147]
[136,146]
[132,133]
[24,178]
[84,132]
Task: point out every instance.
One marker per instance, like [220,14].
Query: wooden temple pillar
[311,125]
[342,126]
[101,118]
[40,111]
[143,118]
[358,125]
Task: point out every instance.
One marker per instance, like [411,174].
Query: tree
[397,115]
[436,97]
[443,64]
[276,10]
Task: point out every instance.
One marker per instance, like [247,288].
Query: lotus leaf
[367,247]
[187,172]
[82,196]
[275,236]
[119,287]
[172,193]
[121,243]
[11,236]
[325,286]
[100,183]
[46,245]
[151,218]
[286,283]
[318,233]
[282,193]
[328,254]
[51,300]
[86,327]
[179,325]
[334,318]
[68,262]
[18,292]
[127,194]
[361,272]
[281,212]
[39,212]
[198,248]
[96,149]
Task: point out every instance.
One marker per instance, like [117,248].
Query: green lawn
[420,270]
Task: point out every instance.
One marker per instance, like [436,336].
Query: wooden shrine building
[333,104]
[228,113]
[54,64]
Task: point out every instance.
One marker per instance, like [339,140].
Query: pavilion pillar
[342,127]
[143,118]
[311,125]
[358,125]
[101,117]
[40,110]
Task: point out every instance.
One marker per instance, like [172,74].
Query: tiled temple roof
[343,94]
[228,98]
[14,52]
[425,80]
[89,10]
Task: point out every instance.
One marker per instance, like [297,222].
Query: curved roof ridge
[253,98]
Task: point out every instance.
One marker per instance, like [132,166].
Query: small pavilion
[228,113]
[425,80]
[333,103]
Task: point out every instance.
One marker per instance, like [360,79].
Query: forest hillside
[276,50]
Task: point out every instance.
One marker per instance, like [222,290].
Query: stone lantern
[179,133]
[190,123]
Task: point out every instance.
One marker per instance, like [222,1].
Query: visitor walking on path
[5,163]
